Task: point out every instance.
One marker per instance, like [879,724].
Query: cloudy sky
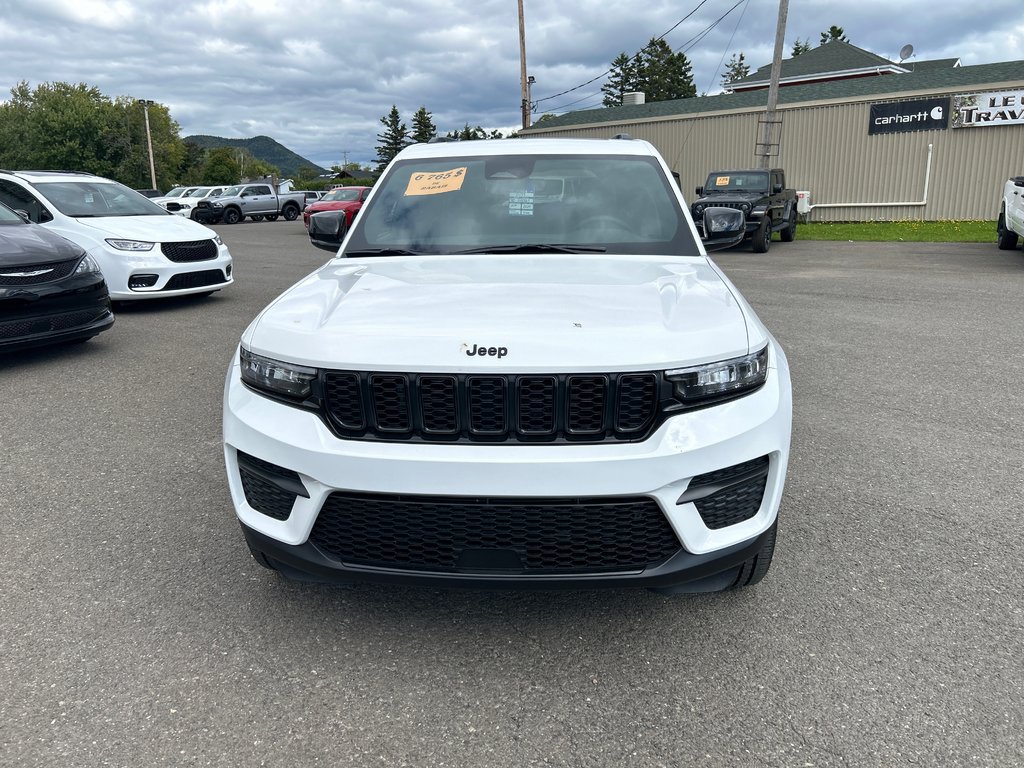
[317,75]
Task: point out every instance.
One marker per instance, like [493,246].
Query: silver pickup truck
[257,201]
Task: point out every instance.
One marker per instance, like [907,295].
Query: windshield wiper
[381,252]
[536,248]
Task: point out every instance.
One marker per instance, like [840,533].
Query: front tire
[755,568]
[290,213]
[762,239]
[231,216]
[1007,237]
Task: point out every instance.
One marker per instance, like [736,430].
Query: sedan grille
[197,250]
[64,321]
[523,536]
[491,407]
[26,275]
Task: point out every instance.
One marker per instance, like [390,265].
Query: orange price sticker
[435,183]
[721,181]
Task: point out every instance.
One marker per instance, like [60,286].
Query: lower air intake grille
[195,280]
[65,321]
[534,536]
[269,489]
[729,496]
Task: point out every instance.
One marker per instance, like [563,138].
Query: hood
[28,244]
[548,313]
[154,229]
[711,198]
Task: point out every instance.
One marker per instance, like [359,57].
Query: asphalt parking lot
[138,632]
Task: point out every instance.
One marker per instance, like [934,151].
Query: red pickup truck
[348,199]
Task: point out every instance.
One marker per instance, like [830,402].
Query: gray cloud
[318,75]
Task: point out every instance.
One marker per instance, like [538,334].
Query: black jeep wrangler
[760,194]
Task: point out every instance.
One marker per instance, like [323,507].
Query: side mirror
[327,229]
[1018,181]
[24,215]
[723,228]
[678,178]
[699,191]
[776,189]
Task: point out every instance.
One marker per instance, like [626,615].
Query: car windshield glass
[730,181]
[234,191]
[341,194]
[197,192]
[7,216]
[595,203]
[176,192]
[93,199]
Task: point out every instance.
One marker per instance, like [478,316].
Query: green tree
[800,46]
[663,75]
[393,139]
[833,33]
[622,79]
[736,69]
[423,128]
[222,167]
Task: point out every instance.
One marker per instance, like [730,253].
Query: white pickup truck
[1011,214]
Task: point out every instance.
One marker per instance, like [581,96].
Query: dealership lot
[137,631]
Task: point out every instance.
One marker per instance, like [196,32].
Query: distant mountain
[262,148]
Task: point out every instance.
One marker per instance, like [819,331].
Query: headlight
[87,266]
[744,207]
[704,384]
[217,240]
[698,210]
[275,376]
[216,205]
[130,245]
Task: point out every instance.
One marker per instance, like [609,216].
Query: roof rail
[441,140]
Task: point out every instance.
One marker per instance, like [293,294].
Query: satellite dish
[906,52]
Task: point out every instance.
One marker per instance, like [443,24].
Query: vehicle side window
[17,197]
[259,190]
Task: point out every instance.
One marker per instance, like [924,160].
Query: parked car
[150,193]
[348,199]
[761,194]
[50,289]
[185,205]
[483,389]
[143,251]
[256,201]
[173,194]
[1010,225]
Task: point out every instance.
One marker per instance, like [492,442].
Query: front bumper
[73,308]
[659,469]
[132,275]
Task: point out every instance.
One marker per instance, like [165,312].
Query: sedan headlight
[87,266]
[130,245]
[275,376]
[714,382]
[217,240]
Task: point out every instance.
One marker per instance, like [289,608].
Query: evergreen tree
[736,69]
[393,140]
[663,75]
[621,79]
[800,46]
[423,128]
[834,33]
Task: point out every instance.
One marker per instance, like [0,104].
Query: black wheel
[1007,237]
[272,217]
[231,216]
[754,569]
[762,238]
[290,212]
[788,235]
[256,218]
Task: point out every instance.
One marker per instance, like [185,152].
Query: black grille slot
[492,408]
[195,280]
[391,403]
[537,405]
[269,488]
[487,405]
[53,271]
[586,404]
[731,495]
[64,321]
[196,250]
[534,536]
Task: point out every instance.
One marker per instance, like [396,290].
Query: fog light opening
[142,281]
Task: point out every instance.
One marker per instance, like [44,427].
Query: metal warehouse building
[869,139]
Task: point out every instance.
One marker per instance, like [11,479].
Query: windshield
[197,192]
[96,199]
[731,181]
[341,194]
[613,203]
[234,191]
[7,216]
[176,192]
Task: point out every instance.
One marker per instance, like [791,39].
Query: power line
[607,71]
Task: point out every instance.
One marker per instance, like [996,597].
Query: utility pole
[524,81]
[146,104]
[767,125]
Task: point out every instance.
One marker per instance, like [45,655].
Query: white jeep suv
[143,251]
[521,369]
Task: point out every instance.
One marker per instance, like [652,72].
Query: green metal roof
[835,56]
[959,79]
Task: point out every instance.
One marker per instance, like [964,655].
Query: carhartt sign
[903,116]
[977,109]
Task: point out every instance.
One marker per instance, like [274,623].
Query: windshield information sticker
[520,203]
[722,181]
[436,183]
